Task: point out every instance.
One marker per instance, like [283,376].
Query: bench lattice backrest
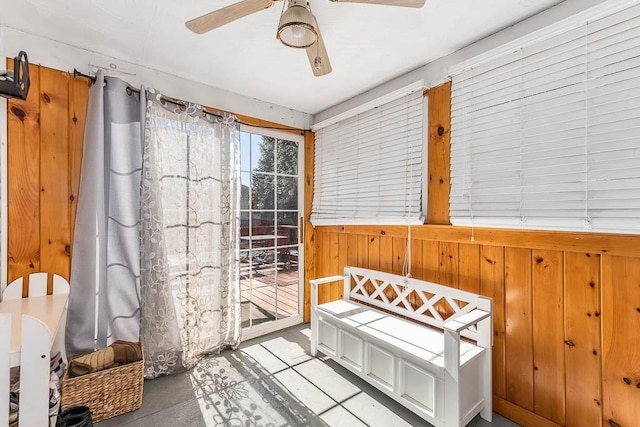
[419,300]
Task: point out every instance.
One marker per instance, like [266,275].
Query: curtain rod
[130,90]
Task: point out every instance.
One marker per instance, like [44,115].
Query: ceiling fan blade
[318,50]
[403,3]
[226,15]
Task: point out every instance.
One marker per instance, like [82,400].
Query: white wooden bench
[437,366]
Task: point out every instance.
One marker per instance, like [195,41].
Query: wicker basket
[107,393]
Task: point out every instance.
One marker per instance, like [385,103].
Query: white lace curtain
[190,295]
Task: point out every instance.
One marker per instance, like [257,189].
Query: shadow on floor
[270,381]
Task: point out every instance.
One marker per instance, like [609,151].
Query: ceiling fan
[298,27]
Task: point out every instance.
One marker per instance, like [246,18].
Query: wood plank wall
[45,135]
[567,305]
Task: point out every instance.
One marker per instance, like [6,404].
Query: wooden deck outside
[269,295]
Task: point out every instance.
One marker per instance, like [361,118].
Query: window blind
[369,167]
[548,135]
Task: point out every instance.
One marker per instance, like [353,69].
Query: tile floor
[270,381]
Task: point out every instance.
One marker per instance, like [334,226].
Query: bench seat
[417,340]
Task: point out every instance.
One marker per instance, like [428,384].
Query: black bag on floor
[78,416]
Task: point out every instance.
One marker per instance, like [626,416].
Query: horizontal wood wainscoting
[44,146]
[566,309]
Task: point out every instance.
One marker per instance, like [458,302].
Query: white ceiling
[367,44]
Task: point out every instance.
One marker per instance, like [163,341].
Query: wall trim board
[265,127]
[438,174]
[3,181]
[520,415]
[600,243]
[3,194]
[308,236]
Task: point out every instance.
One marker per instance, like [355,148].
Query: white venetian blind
[548,136]
[368,167]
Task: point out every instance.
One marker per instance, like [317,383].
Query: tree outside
[277,157]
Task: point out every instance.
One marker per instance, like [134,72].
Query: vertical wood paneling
[374,252]
[55,234]
[322,264]
[417,268]
[439,183]
[386,259]
[352,249]
[363,251]
[23,181]
[469,267]
[448,264]
[448,274]
[621,340]
[431,261]
[78,98]
[492,285]
[332,266]
[344,249]
[374,257]
[399,253]
[386,253]
[309,230]
[582,339]
[548,335]
[519,331]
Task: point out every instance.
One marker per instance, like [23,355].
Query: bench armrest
[330,279]
[317,282]
[314,303]
[463,322]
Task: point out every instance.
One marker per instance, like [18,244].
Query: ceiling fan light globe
[298,32]
[298,36]
[296,27]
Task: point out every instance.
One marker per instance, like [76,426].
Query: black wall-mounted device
[15,83]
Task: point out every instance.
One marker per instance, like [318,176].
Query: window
[369,166]
[546,135]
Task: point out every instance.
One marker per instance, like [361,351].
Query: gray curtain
[190,292]
[104,303]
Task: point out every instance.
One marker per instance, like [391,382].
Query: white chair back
[37,286]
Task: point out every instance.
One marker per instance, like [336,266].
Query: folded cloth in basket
[118,353]
[126,352]
[91,362]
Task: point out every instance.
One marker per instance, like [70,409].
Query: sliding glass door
[270,247]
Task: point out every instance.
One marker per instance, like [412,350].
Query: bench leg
[314,334]
[485,333]
[487,411]
[452,378]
